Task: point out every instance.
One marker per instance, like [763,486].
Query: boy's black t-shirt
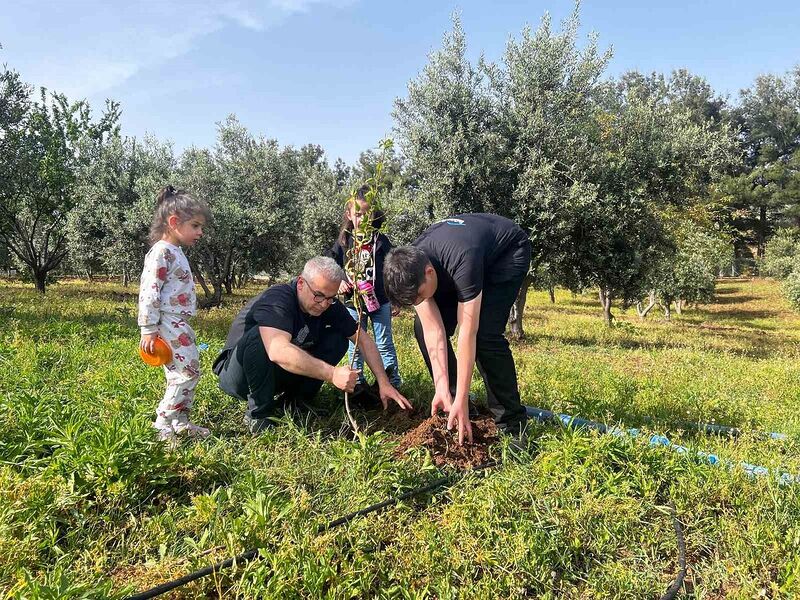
[468,251]
[279,307]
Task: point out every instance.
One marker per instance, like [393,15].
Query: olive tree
[45,142]
[108,226]
[251,186]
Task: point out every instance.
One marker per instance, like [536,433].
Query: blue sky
[327,71]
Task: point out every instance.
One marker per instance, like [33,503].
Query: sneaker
[257,425]
[167,435]
[363,396]
[195,431]
[394,377]
[519,441]
[308,406]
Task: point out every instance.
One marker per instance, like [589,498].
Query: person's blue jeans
[382,328]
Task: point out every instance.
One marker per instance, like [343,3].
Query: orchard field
[91,505]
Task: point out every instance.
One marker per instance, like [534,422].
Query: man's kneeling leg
[249,374]
[330,349]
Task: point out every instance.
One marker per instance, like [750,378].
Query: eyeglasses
[319,297]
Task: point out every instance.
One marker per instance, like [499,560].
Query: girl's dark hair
[175,202]
[378,217]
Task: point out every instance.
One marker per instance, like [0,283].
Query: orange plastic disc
[161,356]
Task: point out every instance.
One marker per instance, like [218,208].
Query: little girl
[166,300]
[381,318]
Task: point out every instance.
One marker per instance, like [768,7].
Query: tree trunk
[667,310]
[762,233]
[126,276]
[605,302]
[552,291]
[228,272]
[198,276]
[40,279]
[216,299]
[679,306]
[211,299]
[518,309]
[651,302]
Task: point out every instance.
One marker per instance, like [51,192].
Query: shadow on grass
[734,299]
[755,344]
[52,322]
[625,413]
[744,317]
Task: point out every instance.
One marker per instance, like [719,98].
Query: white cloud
[241,16]
[89,48]
[294,6]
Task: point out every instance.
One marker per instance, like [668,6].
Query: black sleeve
[277,313]
[340,319]
[336,252]
[468,276]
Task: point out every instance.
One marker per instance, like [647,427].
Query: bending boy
[465,271]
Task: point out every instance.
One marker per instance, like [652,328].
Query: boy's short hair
[403,273]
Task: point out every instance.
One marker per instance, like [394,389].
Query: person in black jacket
[373,255]
[467,271]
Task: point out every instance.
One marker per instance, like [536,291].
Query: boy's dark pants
[247,373]
[492,353]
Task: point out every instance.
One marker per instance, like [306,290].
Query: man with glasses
[288,340]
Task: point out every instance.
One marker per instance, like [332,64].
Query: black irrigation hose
[672,590]
[253,553]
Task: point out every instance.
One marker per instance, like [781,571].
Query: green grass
[92,506]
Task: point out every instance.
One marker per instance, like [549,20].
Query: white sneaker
[171,435]
[196,431]
[167,435]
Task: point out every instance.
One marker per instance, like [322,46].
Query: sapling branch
[356,260]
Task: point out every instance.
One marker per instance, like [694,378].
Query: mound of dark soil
[443,445]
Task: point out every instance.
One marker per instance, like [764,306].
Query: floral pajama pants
[182,373]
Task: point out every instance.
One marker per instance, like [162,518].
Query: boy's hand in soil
[148,342]
[345,378]
[388,392]
[442,400]
[459,413]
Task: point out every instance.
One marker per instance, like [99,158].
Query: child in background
[375,251]
[166,300]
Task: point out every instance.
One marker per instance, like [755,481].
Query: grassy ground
[92,506]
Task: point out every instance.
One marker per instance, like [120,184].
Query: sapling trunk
[355,264]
